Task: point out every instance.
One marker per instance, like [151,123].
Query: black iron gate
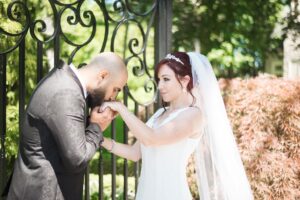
[26,34]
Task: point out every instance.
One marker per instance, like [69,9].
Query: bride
[193,120]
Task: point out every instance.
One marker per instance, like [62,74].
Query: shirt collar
[75,70]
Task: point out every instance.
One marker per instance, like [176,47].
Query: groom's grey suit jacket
[55,144]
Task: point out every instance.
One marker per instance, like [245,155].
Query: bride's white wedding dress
[163,173]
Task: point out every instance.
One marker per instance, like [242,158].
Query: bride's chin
[166,100]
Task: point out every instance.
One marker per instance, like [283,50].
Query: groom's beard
[96,97]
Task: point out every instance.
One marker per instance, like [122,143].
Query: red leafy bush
[265,117]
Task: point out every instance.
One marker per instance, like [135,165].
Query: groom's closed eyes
[116,92]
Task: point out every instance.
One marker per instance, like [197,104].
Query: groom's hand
[103,119]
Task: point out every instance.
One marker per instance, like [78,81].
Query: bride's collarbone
[166,114]
[162,118]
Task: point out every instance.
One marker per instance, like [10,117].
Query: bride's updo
[179,62]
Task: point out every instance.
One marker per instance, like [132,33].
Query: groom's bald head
[106,75]
[108,61]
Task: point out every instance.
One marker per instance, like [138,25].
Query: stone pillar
[291,60]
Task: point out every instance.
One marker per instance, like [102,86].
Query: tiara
[169,56]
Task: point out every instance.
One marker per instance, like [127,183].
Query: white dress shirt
[75,70]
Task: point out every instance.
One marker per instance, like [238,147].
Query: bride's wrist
[121,109]
[112,145]
[107,143]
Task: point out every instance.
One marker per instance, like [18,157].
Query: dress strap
[175,113]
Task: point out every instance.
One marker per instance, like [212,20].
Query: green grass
[94,185]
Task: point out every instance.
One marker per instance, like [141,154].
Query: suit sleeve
[66,121]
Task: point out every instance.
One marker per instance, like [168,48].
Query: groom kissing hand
[57,141]
[102,117]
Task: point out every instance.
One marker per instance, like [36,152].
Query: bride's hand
[113,105]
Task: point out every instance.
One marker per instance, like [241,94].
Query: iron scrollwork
[140,68]
[77,15]
[14,14]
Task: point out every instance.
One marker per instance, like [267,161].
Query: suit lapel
[75,78]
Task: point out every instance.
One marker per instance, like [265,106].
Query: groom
[57,143]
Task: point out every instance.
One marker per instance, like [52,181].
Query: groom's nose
[113,97]
[115,93]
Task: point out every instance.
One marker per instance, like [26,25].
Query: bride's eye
[166,79]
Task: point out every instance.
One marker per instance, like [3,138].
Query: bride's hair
[179,62]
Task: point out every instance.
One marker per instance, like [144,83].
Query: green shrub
[94,185]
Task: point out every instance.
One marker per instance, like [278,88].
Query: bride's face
[169,86]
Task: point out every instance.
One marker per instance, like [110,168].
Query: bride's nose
[160,85]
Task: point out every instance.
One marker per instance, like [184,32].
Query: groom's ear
[102,74]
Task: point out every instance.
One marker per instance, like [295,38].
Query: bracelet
[112,145]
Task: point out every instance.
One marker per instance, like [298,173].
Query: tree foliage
[236,35]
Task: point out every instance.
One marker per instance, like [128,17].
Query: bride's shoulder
[194,112]
[194,109]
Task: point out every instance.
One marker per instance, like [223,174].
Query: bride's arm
[184,125]
[130,152]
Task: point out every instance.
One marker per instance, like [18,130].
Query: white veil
[220,171]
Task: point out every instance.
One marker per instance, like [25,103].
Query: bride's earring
[184,90]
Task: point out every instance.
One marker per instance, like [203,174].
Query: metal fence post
[2,121]
[163,33]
